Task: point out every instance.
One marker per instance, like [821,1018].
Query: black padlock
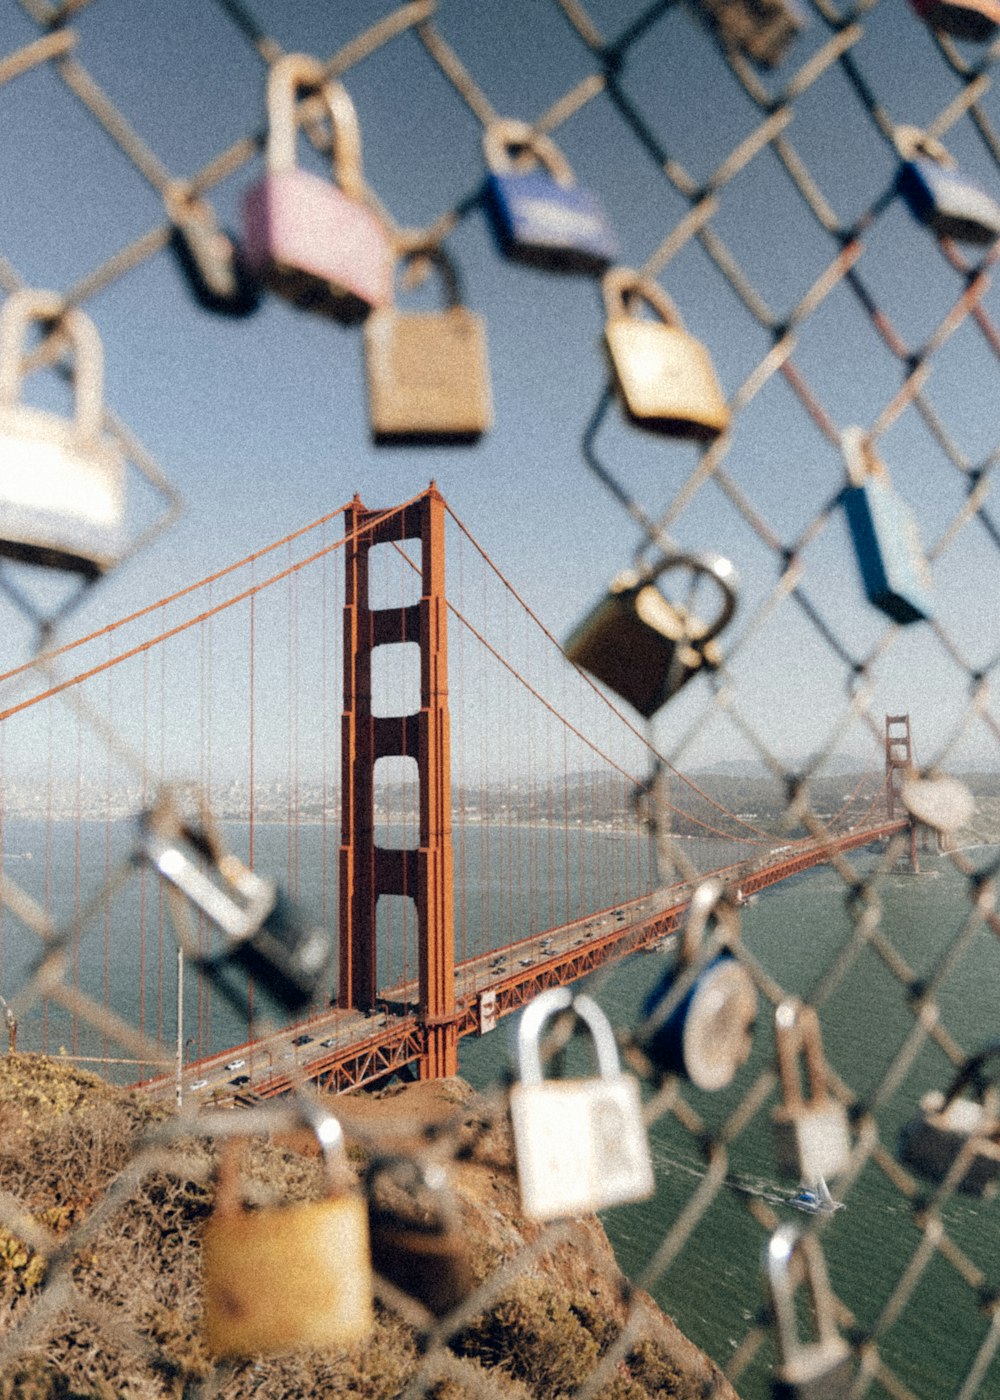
[416,1241]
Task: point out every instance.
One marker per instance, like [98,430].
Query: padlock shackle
[498,138]
[779,1253]
[435,257]
[797,1031]
[621,283]
[718,568]
[911,142]
[708,903]
[540,1011]
[18,312]
[328,1132]
[286,77]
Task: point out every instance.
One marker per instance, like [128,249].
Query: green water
[713,1287]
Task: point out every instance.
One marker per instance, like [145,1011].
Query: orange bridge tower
[367,870]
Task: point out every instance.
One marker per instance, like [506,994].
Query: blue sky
[262,424]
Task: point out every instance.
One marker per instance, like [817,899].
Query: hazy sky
[262,424]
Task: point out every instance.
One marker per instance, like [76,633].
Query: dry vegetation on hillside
[125,1231]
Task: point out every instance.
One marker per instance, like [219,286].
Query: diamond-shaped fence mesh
[812,187]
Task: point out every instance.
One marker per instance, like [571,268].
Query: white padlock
[580,1144]
[811,1134]
[62,480]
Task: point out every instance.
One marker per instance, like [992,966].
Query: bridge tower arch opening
[424,871]
[898,762]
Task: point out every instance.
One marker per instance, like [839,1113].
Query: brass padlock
[428,372]
[811,1136]
[416,1239]
[949,1124]
[285,1277]
[665,376]
[643,646]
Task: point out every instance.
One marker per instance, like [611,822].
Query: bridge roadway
[346,1049]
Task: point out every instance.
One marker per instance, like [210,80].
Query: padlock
[762,29]
[705,1032]
[643,646]
[541,215]
[664,375]
[823,1369]
[416,1238]
[948,1124]
[811,1135]
[965,19]
[315,242]
[580,1144]
[62,480]
[894,571]
[210,259]
[428,372]
[939,195]
[264,933]
[281,1278]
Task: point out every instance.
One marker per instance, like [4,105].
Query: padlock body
[315,245]
[819,1371]
[62,499]
[428,376]
[930,1142]
[431,1265]
[580,1145]
[965,19]
[708,1034]
[887,546]
[666,378]
[948,202]
[278,1279]
[811,1140]
[634,642]
[559,227]
[288,955]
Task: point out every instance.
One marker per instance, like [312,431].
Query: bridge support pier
[425,874]
[899,762]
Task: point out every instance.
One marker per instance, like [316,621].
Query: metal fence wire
[897,1295]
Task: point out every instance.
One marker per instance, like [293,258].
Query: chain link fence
[771,158]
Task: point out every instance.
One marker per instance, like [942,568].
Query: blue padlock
[705,1031]
[939,195]
[886,541]
[541,215]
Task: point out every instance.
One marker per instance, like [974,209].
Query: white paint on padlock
[811,1134]
[580,1144]
[821,1369]
[62,480]
[942,803]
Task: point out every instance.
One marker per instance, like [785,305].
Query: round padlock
[704,1032]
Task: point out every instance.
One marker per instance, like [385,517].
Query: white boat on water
[816,1200]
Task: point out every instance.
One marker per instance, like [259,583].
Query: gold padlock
[665,376]
[643,646]
[285,1277]
[416,1239]
[428,374]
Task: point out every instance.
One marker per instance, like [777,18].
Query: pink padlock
[314,241]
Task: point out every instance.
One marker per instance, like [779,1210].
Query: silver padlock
[580,1144]
[62,480]
[702,1028]
[811,1135]
[950,1124]
[823,1369]
[264,932]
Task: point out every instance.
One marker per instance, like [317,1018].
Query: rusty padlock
[643,646]
[665,376]
[416,1237]
[428,373]
[284,1277]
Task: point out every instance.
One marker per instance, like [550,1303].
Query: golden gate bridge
[466,822]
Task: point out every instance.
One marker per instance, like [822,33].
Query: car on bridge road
[236,1064]
[302,1040]
[200,1084]
[240,1079]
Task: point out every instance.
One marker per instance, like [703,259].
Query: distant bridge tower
[366,869]
[899,762]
